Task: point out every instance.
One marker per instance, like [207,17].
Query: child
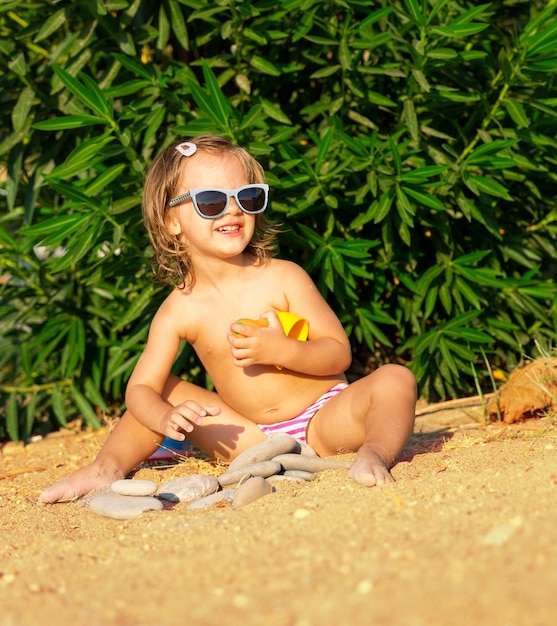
[203,208]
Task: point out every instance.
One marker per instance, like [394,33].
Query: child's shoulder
[174,304]
[175,316]
[283,266]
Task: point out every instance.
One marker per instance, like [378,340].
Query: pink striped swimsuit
[297,426]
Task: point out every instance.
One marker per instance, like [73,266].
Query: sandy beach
[466,535]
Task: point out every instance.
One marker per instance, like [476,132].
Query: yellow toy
[294,326]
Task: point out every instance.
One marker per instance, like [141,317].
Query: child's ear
[173,223]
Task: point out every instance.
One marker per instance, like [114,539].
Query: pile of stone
[253,474]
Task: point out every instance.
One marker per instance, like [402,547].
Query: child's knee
[397,376]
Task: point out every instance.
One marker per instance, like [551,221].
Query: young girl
[204,204]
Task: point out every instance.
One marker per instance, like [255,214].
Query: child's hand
[183,418]
[251,345]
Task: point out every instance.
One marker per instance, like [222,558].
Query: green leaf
[443,54]
[382,207]
[491,187]
[262,65]
[136,308]
[472,13]
[274,112]
[379,99]
[374,17]
[425,198]
[220,104]
[252,117]
[69,122]
[103,180]
[93,395]
[12,417]
[459,31]
[543,42]
[85,408]
[51,25]
[414,11]
[411,119]
[179,28]
[468,292]
[71,193]
[58,407]
[20,113]
[471,257]
[516,110]
[324,145]
[91,96]
[133,66]
[474,335]
[55,225]
[478,154]
[130,87]
[448,357]
[327,71]
[82,158]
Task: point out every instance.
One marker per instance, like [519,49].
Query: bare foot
[78,484]
[369,469]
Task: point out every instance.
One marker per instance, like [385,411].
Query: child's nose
[233,206]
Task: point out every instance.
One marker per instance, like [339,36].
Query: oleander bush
[410,147]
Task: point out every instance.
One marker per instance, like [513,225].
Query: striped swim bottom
[297,426]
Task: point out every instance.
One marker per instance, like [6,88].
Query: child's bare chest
[216,316]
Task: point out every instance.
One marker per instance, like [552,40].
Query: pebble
[305,448]
[226,495]
[251,490]
[279,443]
[263,469]
[189,488]
[299,475]
[129,487]
[117,506]
[309,463]
[499,535]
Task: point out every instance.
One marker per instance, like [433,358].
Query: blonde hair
[171,261]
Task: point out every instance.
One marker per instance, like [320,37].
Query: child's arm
[327,351]
[148,380]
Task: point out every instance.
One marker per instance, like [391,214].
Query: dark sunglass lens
[211,203]
[252,199]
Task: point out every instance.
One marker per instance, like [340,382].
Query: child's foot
[78,484]
[369,469]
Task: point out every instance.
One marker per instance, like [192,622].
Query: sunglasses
[213,203]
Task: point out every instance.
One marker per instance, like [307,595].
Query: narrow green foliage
[410,147]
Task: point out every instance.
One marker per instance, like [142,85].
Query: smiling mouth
[228,229]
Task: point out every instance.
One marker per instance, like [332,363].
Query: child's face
[226,236]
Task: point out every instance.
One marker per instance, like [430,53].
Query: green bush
[410,147]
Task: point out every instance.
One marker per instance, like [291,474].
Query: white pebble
[263,469]
[189,488]
[279,443]
[251,490]
[226,495]
[309,463]
[128,487]
[116,506]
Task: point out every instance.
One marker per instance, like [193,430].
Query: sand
[466,535]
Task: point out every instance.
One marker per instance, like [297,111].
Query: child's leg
[222,436]
[373,416]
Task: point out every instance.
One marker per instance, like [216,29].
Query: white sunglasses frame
[229,193]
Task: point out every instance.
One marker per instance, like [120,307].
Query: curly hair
[171,261]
